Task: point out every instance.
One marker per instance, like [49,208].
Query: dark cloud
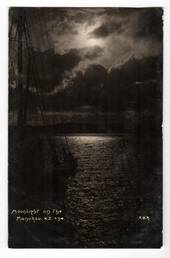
[135,70]
[150,23]
[114,89]
[53,67]
[106,29]
[91,52]
[68,60]
[95,75]
[121,12]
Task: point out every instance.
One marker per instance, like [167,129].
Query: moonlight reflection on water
[98,195]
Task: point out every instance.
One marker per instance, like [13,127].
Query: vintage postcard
[85,127]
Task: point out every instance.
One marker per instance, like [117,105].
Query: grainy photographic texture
[85,136]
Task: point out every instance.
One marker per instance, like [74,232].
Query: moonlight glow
[82,39]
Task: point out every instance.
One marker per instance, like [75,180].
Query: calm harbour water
[101,200]
[116,186]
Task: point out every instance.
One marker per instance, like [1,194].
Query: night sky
[107,36]
[71,40]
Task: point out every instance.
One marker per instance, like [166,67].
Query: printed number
[144,218]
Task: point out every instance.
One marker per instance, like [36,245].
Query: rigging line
[41,57]
[13,29]
[38,82]
[11,25]
[27,21]
[12,50]
[47,37]
[45,42]
[49,139]
[22,28]
[26,89]
[37,90]
[40,98]
[39,93]
[20,67]
[11,65]
[35,77]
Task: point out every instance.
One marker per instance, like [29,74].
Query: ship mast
[20,21]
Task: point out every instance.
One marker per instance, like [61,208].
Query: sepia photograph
[85,90]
